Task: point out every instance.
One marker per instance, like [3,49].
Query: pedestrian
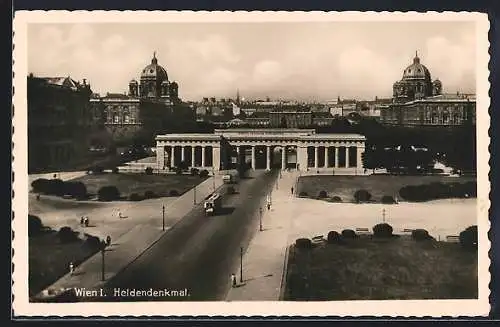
[108,240]
[233,280]
[71,268]
[87,222]
[292,190]
[120,214]
[38,197]
[82,221]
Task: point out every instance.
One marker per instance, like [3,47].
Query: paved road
[199,253]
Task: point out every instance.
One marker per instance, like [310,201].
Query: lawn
[49,259]
[366,269]
[377,185]
[139,183]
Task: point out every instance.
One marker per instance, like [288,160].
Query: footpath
[130,245]
[264,261]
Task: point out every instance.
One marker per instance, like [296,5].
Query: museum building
[420,101]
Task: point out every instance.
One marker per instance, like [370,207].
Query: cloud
[214,48]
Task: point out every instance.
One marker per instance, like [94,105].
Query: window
[126,118]
[434,118]
[116,118]
[446,118]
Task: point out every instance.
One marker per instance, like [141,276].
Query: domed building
[155,84]
[419,101]
[152,104]
[416,83]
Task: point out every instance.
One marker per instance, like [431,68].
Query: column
[315,156]
[302,157]
[172,155]
[359,153]
[326,156]
[203,156]
[183,153]
[253,157]
[283,158]
[268,157]
[192,156]
[160,157]
[347,156]
[336,157]
[216,158]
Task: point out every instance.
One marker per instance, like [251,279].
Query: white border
[418,308]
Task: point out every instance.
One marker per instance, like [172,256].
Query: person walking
[82,221]
[71,268]
[233,280]
[108,240]
[86,221]
[292,190]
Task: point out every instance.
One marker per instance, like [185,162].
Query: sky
[301,61]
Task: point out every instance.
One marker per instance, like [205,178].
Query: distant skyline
[302,61]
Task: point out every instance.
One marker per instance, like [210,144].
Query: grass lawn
[140,183]
[369,269]
[377,185]
[49,259]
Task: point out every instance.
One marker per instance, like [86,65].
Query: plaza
[300,149]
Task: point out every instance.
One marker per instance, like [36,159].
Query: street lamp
[163,217]
[260,219]
[383,215]
[194,195]
[213,173]
[103,250]
[241,264]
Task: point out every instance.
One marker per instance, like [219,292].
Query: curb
[284,274]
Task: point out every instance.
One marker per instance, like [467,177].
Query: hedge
[382,230]
[349,234]
[67,235]
[362,196]
[35,225]
[204,173]
[194,171]
[150,195]
[173,193]
[134,197]
[420,235]
[433,191]
[333,237]
[108,193]
[322,194]
[387,199]
[58,187]
[468,237]
[336,199]
[303,243]
[148,171]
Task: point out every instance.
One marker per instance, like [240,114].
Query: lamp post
[383,215]
[163,217]
[103,250]
[213,181]
[241,264]
[260,219]
[194,195]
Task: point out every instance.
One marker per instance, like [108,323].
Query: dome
[416,70]
[154,71]
[437,82]
[133,81]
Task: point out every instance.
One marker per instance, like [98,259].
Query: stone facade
[300,149]
[60,122]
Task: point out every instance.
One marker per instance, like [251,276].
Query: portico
[300,149]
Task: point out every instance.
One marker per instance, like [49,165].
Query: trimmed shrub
[178,170]
[336,199]
[468,237]
[420,235]
[35,225]
[349,234]
[303,243]
[134,197]
[108,193]
[231,190]
[303,194]
[148,171]
[173,193]
[116,170]
[382,230]
[194,171]
[67,235]
[150,195]
[333,237]
[362,196]
[77,190]
[322,194]
[387,199]
[93,243]
[40,185]
[204,173]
